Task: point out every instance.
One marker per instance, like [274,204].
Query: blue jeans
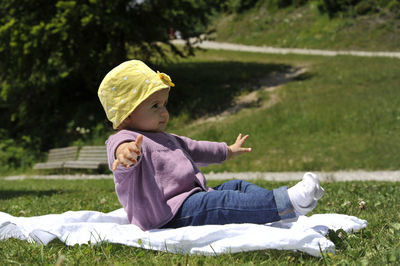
[235,201]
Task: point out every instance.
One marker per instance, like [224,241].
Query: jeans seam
[230,209]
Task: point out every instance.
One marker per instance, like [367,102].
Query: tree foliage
[55,53]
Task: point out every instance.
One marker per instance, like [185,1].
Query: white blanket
[82,227]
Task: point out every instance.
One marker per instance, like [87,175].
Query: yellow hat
[128,85]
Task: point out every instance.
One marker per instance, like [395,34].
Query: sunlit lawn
[377,244]
[342,114]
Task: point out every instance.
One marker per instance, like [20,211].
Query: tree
[55,53]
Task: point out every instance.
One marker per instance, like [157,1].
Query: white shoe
[305,194]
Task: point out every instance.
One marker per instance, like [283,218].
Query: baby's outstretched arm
[127,153]
[236,148]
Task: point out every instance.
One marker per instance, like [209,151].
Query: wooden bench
[90,157]
[57,158]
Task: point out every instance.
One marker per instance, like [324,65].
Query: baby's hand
[236,148]
[128,152]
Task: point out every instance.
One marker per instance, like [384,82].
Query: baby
[156,174]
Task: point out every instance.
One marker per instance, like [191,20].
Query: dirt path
[270,83]
[273,50]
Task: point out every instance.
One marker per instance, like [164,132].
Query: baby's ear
[125,123]
[121,126]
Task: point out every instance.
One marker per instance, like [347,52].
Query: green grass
[306,27]
[377,244]
[342,114]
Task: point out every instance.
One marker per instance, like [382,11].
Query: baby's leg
[241,186]
[234,202]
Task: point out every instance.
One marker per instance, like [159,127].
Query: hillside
[307,27]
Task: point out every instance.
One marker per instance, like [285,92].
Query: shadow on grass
[8,194]
[208,88]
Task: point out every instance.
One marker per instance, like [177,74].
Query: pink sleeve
[204,153]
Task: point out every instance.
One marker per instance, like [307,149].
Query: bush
[394,7]
[287,3]
[332,7]
[357,7]
[15,155]
[238,6]
[365,7]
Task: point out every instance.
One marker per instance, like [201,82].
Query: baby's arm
[128,152]
[236,148]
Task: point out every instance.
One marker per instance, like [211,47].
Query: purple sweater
[153,190]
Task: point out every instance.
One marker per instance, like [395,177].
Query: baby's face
[150,115]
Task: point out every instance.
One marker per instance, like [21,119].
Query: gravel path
[392,176]
[273,50]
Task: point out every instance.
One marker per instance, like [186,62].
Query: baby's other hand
[236,148]
[127,153]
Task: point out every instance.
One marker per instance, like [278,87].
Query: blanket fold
[307,234]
